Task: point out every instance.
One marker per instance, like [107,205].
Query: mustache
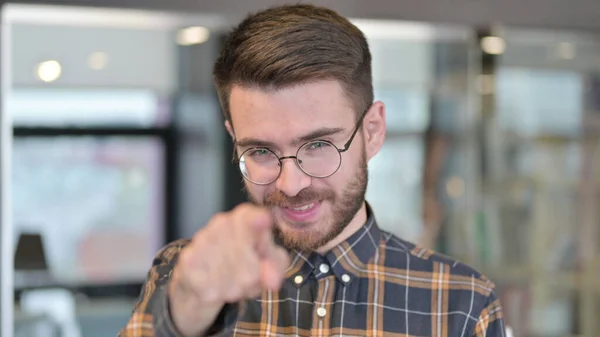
[278,198]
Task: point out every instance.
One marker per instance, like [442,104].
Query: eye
[259,152]
[318,145]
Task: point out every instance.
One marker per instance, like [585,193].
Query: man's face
[309,212]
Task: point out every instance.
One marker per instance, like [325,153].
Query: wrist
[190,316]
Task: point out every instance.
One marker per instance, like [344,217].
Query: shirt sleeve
[491,319]
[151,316]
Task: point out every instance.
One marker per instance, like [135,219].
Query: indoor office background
[491,157]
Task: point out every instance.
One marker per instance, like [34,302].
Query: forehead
[279,115]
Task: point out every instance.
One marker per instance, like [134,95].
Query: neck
[360,218]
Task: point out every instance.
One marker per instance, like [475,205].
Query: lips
[304,207]
[301,213]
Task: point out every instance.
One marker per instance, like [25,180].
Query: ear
[230,130]
[374,127]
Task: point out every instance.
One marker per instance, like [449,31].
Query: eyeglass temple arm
[358,124]
[234,158]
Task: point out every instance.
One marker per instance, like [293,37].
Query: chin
[306,238]
[296,228]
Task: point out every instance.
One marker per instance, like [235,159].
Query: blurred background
[113,145]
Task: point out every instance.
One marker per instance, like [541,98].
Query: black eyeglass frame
[280,159]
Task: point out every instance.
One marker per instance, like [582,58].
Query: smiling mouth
[302,213]
[303,207]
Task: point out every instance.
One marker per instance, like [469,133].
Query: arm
[151,315]
[192,283]
[491,319]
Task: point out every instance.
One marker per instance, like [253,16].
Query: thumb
[262,226]
[273,267]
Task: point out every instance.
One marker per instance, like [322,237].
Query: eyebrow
[319,133]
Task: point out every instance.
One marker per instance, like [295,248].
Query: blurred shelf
[564,280]
[511,137]
[535,184]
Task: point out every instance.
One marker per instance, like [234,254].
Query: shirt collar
[347,260]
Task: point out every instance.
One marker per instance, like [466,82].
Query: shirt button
[346,278]
[298,279]
[321,312]
[324,268]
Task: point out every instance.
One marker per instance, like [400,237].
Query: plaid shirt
[373,284]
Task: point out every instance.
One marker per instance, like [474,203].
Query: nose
[292,179]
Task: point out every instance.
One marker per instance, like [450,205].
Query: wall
[572,14]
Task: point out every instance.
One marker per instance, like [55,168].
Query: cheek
[336,182]
[256,192]
[350,163]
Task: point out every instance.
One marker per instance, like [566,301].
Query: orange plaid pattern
[373,284]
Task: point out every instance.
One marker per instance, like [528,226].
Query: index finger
[255,220]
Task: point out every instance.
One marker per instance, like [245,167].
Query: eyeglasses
[318,159]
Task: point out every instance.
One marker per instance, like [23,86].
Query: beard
[343,209]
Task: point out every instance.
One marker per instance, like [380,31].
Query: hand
[231,259]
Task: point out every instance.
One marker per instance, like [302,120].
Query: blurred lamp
[49,71]
[493,45]
[192,35]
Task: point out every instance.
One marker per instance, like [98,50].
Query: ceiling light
[493,45]
[386,29]
[192,35]
[49,71]
[97,60]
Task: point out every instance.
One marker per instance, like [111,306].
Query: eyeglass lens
[319,159]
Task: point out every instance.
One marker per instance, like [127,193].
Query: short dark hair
[294,44]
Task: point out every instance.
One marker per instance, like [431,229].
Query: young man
[306,258]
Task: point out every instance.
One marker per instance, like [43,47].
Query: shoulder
[433,266]
[169,253]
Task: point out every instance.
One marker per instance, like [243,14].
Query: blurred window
[88,174]
[535,102]
[86,194]
[60,107]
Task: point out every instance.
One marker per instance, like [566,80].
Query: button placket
[323,304]
[346,278]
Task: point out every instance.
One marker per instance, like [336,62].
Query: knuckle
[185,258]
[218,218]
[245,209]
[233,293]
[200,235]
[211,295]
[248,280]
